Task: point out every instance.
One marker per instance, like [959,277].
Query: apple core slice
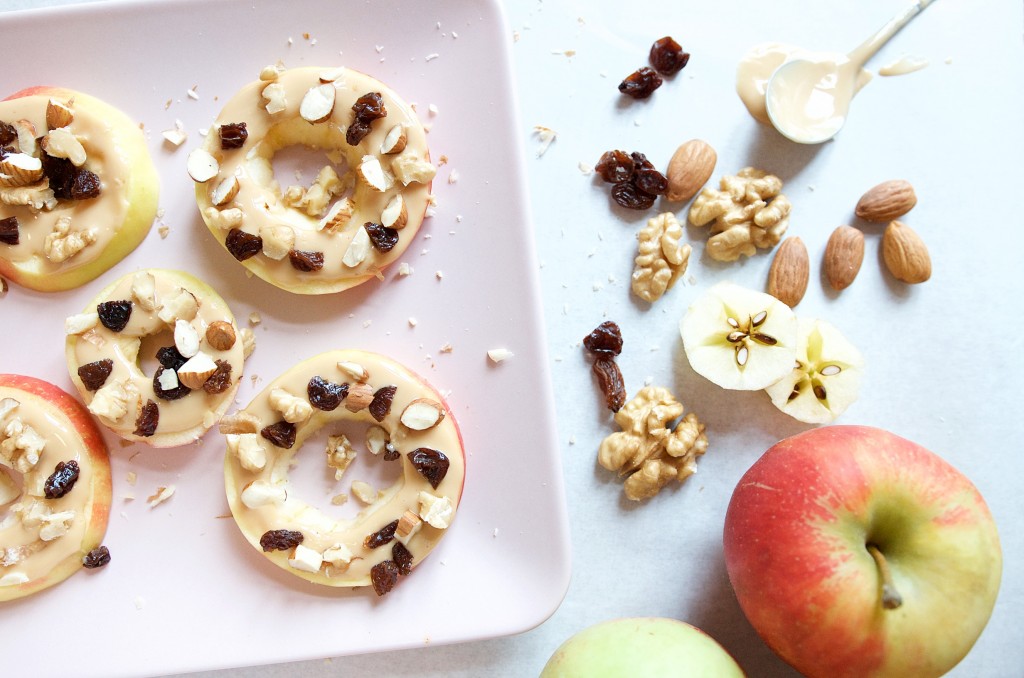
[738,338]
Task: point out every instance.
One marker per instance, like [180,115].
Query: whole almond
[843,256]
[887,201]
[790,271]
[689,169]
[905,254]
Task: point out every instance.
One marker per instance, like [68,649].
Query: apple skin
[641,646]
[795,548]
[141,193]
[94,452]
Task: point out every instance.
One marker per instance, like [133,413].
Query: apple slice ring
[54,520]
[359,214]
[78,189]
[407,422]
[174,324]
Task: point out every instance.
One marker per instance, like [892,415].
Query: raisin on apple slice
[402,557]
[60,175]
[382,238]
[281,434]
[169,357]
[220,380]
[280,540]
[384,535]
[356,132]
[98,557]
[307,262]
[176,393]
[384,576]
[9,232]
[431,464]
[7,133]
[62,480]
[243,245]
[94,375]
[84,185]
[380,406]
[325,395]
[114,314]
[233,135]
[146,422]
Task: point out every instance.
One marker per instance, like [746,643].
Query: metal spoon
[808,99]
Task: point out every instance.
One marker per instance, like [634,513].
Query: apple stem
[891,598]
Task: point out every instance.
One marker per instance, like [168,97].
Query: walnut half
[660,258]
[647,450]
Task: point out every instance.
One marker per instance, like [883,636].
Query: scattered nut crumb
[439,274]
[404,269]
[161,495]
[177,135]
[192,94]
[498,355]
[164,230]
[546,136]
[364,492]
[339,499]
[131,478]
[431,57]
[412,321]
[453,177]
[447,348]
[255,318]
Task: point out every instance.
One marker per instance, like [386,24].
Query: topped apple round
[359,214]
[78,190]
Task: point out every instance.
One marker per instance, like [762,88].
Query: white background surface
[943,358]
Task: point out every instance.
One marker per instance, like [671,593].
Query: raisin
[640,160]
[233,135]
[605,340]
[9,232]
[629,196]
[7,133]
[641,83]
[382,536]
[60,173]
[114,314]
[306,262]
[356,132]
[325,395]
[98,557]
[384,576]
[169,357]
[650,181]
[383,238]
[390,452]
[94,375]
[63,478]
[615,166]
[432,464]
[668,57]
[609,378]
[281,434]
[176,393]
[149,417]
[280,540]
[84,185]
[402,557]
[243,245]
[381,403]
[369,107]
[220,380]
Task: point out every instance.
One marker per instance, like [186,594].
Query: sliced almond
[372,173]
[422,414]
[202,166]
[26,137]
[270,73]
[220,335]
[261,493]
[318,103]
[225,191]
[790,272]
[239,422]
[887,201]
[59,113]
[276,102]
[186,338]
[144,290]
[905,254]
[338,215]
[844,254]
[358,249]
[359,397]
[196,370]
[180,305]
[395,215]
[332,74]
[394,141]
[354,370]
[376,439]
[83,322]
[408,525]
[20,169]
[61,143]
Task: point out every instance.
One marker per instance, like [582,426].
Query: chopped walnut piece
[294,409]
[249,450]
[660,258]
[408,169]
[55,525]
[748,212]
[248,341]
[436,511]
[278,240]
[647,450]
[364,492]
[223,219]
[20,445]
[37,197]
[340,454]
[111,401]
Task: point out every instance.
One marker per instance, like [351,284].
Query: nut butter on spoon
[808,98]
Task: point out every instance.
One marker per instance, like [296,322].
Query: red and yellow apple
[90,497]
[642,646]
[120,216]
[854,552]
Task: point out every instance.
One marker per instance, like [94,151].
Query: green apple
[641,647]
[120,216]
[854,552]
[73,426]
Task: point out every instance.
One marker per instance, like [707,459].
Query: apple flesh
[132,194]
[63,408]
[642,646]
[854,552]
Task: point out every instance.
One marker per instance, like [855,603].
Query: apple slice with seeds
[826,378]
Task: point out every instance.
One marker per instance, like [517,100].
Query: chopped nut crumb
[255,318]
[546,136]
[497,355]
[161,495]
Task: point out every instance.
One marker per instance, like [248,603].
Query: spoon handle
[869,47]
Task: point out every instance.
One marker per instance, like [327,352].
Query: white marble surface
[943,358]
